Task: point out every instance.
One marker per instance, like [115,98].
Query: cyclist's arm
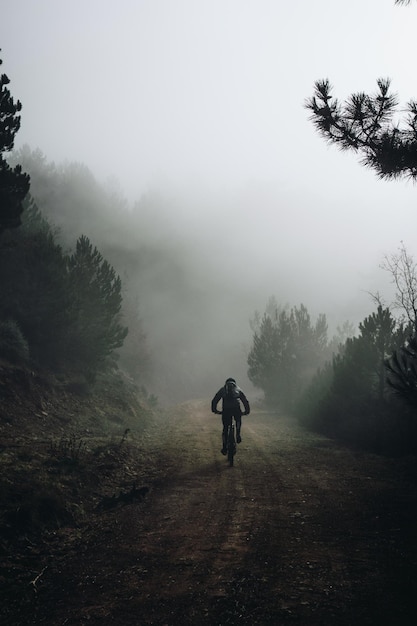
[245,403]
[216,400]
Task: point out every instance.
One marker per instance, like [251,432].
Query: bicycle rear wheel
[231,445]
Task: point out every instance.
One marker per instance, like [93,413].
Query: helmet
[230,380]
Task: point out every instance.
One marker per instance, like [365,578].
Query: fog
[200,104]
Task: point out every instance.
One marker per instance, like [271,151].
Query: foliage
[402,371]
[68,451]
[337,342]
[263,358]
[33,220]
[365,124]
[33,281]
[73,201]
[67,306]
[14,184]
[350,398]
[13,346]
[94,331]
[381,334]
[309,407]
[287,349]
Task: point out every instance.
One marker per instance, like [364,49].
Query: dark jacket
[230,402]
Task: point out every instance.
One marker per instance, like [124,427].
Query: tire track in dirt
[207,498]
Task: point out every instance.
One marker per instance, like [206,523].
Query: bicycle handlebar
[221,413]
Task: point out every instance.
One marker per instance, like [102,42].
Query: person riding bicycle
[231,396]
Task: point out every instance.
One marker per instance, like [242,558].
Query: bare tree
[403,270]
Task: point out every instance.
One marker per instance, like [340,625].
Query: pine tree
[287,349]
[14,184]
[402,371]
[34,289]
[263,359]
[95,330]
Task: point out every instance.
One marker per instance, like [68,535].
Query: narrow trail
[299,531]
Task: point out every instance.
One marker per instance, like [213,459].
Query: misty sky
[204,99]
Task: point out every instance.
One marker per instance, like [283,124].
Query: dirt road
[299,531]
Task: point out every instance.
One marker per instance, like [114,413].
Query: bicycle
[229,443]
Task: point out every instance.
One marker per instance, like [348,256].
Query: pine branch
[364,123]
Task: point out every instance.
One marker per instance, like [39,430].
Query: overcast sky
[208,94]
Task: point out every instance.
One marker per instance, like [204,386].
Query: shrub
[13,345]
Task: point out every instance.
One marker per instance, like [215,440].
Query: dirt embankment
[299,531]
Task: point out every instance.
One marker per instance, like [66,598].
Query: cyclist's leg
[226,419]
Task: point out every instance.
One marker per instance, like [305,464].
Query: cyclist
[231,396]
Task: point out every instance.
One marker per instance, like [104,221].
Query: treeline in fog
[176,328]
[359,387]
